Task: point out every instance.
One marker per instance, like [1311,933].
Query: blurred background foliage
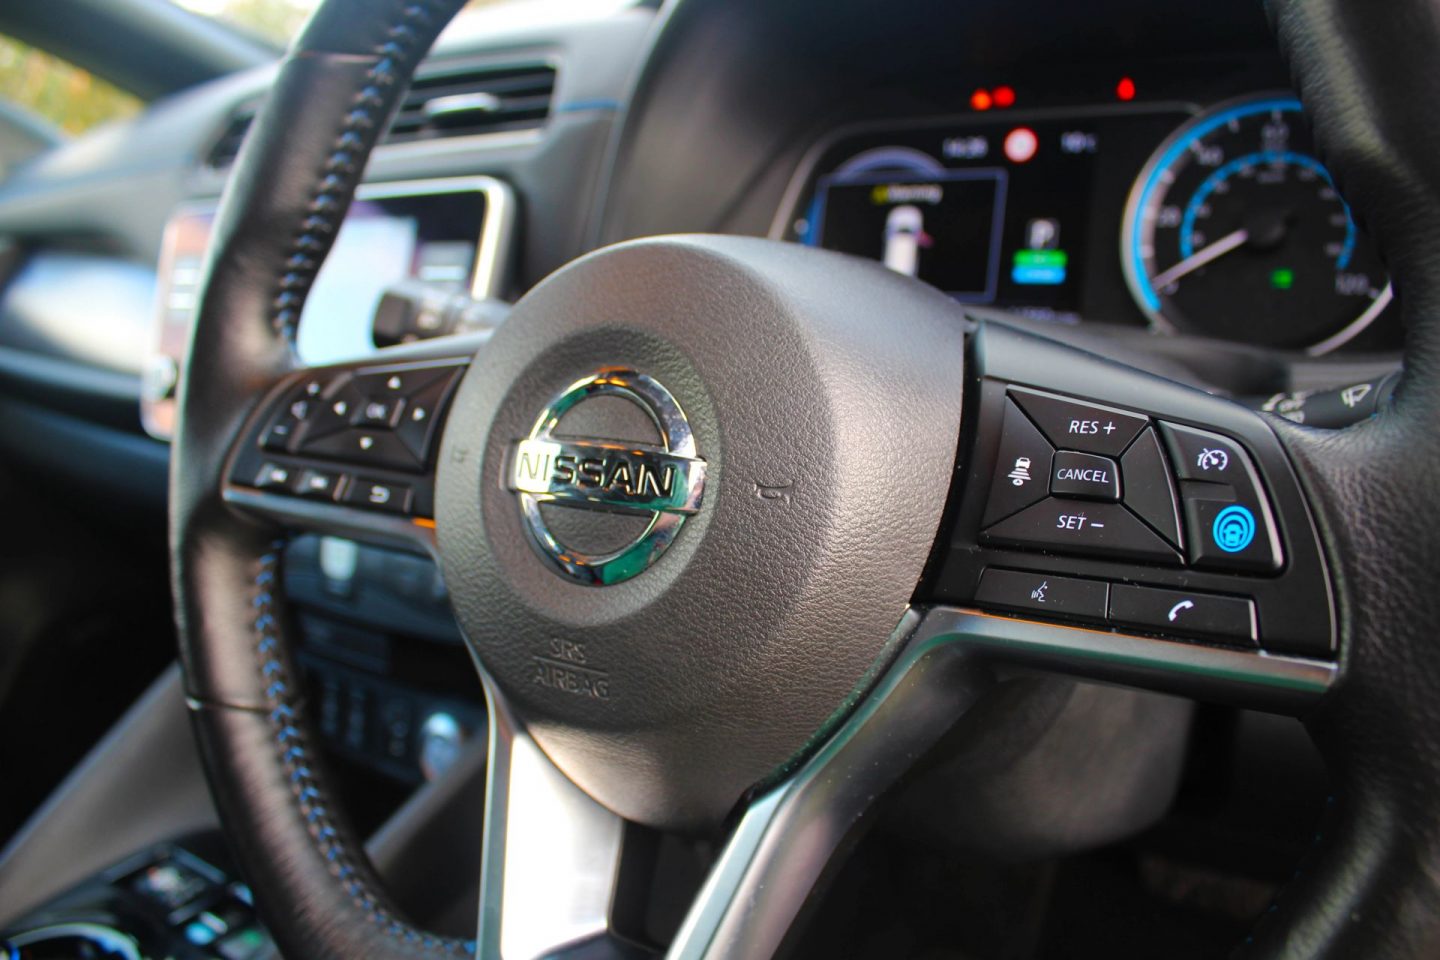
[74,100]
[60,93]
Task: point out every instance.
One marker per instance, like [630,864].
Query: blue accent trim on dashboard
[1152,299]
[581,106]
[1187,223]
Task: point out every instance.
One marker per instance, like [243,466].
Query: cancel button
[1084,475]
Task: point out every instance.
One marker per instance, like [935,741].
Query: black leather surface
[290,189]
[1369,74]
[832,381]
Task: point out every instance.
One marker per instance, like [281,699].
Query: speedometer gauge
[1235,230]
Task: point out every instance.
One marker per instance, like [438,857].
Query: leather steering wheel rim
[1372,887]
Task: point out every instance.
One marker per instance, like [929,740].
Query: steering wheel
[689,500]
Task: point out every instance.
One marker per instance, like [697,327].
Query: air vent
[446,100]
[454,100]
[227,146]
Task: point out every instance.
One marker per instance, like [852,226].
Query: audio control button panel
[361,436]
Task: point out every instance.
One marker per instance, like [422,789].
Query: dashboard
[1214,220]
[1147,189]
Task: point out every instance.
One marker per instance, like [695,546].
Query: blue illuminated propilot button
[1233,529]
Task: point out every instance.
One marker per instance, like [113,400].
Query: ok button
[1084,475]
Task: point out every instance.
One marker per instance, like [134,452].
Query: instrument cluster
[1217,220]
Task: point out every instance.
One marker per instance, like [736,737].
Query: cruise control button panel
[1227,515]
[364,437]
[1181,509]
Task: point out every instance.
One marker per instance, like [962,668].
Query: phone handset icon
[1182,605]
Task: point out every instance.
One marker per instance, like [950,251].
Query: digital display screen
[945,230]
[1010,210]
[429,236]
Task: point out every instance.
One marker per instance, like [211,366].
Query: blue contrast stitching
[342,168]
[290,745]
[403,43]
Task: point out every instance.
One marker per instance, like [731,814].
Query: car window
[70,99]
[274,20]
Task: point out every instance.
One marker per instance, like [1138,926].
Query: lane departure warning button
[1021,467]
[1073,425]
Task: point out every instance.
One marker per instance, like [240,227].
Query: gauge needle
[1201,257]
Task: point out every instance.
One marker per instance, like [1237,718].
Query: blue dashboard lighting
[1167,160]
[1233,529]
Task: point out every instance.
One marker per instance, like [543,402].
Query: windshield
[274,20]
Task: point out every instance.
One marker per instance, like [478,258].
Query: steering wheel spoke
[551,855]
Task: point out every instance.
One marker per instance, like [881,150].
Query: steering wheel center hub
[690,433]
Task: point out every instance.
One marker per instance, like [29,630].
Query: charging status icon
[1233,529]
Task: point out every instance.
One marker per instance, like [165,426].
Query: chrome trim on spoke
[788,837]
[1254,679]
[329,518]
[551,855]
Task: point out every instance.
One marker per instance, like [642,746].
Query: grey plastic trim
[551,854]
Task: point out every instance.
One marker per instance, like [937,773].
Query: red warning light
[1021,144]
[981,100]
[1125,89]
[1004,96]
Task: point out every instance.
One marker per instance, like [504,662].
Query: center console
[178,900]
